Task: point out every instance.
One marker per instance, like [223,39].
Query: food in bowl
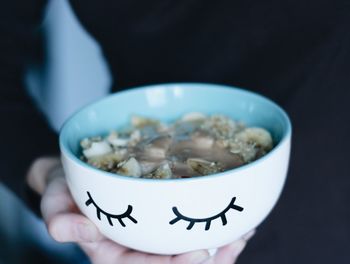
[194,145]
[177,215]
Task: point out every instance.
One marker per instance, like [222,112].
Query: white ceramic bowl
[177,215]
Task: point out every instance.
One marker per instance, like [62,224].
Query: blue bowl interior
[168,102]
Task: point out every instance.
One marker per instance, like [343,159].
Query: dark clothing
[24,133]
[295,52]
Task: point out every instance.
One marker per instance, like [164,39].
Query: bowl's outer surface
[204,202]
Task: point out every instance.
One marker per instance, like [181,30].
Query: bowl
[172,216]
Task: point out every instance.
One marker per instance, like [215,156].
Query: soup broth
[194,145]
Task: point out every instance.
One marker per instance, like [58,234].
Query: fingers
[103,251]
[39,171]
[195,257]
[108,252]
[70,227]
[59,213]
[230,253]
[56,199]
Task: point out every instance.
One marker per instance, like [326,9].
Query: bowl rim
[65,150]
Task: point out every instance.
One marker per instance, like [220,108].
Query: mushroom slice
[204,167]
[162,172]
[120,142]
[140,122]
[222,143]
[157,148]
[260,137]
[112,135]
[202,141]
[116,141]
[130,167]
[221,127]
[135,137]
[247,151]
[148,166]
[121,153]
[97,149]
[86,142]
[107,162]
[193,117]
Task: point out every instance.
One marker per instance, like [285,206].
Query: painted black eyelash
[208,220]
[109,217]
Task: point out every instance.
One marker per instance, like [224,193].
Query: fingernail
[249,235]
[198,257]
[86,232]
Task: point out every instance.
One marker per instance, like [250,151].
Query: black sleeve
[24,132]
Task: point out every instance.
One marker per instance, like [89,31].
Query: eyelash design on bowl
[109,217]
[208,220]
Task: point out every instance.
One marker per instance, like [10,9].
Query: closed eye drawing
[208,220]
[109,217]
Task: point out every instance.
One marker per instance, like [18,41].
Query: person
[294,52]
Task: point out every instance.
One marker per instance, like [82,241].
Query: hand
[65,223]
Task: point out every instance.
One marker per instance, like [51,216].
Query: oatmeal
[194,145]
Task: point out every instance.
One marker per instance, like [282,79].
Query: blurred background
[71,69]
[71,72]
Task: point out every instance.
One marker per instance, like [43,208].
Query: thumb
[71,227]
[63,220]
